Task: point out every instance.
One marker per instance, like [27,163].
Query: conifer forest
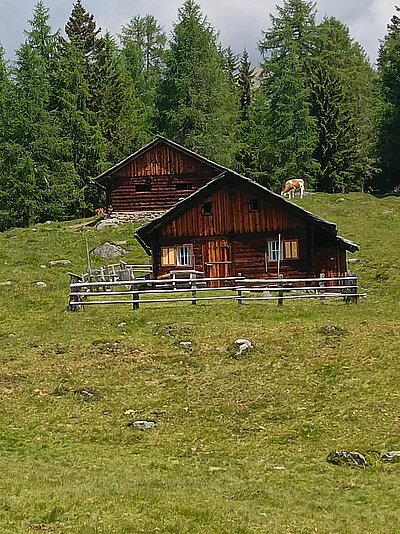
[74,102]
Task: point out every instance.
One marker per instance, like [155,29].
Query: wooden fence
[146,291]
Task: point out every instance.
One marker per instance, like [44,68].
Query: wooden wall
[242,236]
[162,167]
[231,214]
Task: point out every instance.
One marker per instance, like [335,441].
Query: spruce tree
[76,98]
[389,135]
[47,187]
[197,105]
[290,129]
[343,94]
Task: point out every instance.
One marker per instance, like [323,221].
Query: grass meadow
[240,444]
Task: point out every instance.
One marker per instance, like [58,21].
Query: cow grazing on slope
[291,186]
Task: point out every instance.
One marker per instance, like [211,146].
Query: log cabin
[233,226]
[155,178]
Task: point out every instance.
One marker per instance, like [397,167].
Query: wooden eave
[144,233]
[108,174]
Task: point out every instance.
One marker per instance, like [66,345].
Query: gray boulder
[241,345]
[142,425]
[392,456]
[347,458]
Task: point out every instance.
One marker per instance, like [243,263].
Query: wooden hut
[233,226]
[155,178]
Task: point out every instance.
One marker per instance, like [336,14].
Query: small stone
[349,458]
[41,284]
[121,325]
[129,412]
[143,425]
[340,199]
[107,223]
[43,266]
[241,345]
[185,344]
[48,222]
[55,263]
[34,230]
[392,456]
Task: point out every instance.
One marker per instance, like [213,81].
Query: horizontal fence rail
[135,292]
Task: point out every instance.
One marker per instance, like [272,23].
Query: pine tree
[143,49]
[290,128]
[197,105]
[150,39]
[121,115]
[245,81]
[40,182]
[75,81]
[389,135]
[342,89]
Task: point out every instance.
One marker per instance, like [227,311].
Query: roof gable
[158,141]
[144,232]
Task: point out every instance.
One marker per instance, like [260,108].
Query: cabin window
[167,256]
[183,187]
[291,249]
[207,208]
[184,255]
[141,188]
[253,204]
[273,250]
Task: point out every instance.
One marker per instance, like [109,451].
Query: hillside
[240,444]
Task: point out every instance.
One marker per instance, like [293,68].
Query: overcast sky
[240,22]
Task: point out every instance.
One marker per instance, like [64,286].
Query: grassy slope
[71,464]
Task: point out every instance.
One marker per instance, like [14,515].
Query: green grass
[69,462]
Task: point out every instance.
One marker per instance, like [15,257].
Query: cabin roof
[145,232]
[101,178]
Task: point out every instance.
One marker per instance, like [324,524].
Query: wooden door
[217,257]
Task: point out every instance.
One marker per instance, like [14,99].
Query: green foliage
[197,104]
[343,99]
[37,180]
[290,130]
[389,135]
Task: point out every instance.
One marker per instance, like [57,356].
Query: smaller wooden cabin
[234,226]
[155,177]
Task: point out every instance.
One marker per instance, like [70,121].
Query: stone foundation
[122,217]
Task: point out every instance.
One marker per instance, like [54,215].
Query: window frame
[209,203]
[189,246]
[143,188]
[284,256]
[252,209]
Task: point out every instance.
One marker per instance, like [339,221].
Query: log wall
[163,169]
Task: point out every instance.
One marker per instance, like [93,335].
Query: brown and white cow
[291,186]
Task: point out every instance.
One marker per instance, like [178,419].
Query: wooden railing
[142,291]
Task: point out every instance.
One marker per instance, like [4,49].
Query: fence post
[322,284]
[135,297]
[280,293]
[351,293]
[193,287]
[239,292]
[74,279]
